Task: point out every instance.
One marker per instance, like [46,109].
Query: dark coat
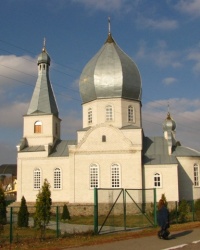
[163,217]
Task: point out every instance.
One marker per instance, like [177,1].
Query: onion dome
[44,57]
[169,124]
[111,73]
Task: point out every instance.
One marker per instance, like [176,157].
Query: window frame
[38,127]
[196,175]
[131,114]
[90,116]
[57,178]
[37,178]
[115,176]
[94,176]
[157,183]
[109,113]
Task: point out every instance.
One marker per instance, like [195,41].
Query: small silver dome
[110,73]
[169,123]
[44,57]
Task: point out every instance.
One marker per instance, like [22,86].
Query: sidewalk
[182,238]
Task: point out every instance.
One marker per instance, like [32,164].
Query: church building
[111,149]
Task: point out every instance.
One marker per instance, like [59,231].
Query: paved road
[185,240]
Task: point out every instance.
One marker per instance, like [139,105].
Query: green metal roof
[43,100]
[155,152]
[61,148]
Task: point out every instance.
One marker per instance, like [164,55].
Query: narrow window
[115,176]
[157,180]
[57,178]
[38,127]
[89,116]
[196,175]
[37,178]
[103,138]
[131,114]
[109,113]
[94,176]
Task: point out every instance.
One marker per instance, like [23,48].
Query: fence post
[57,222]
[176,204]
[11,222]
[155,208]
[124,201]
[95,211]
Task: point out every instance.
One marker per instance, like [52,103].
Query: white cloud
[169,80]
[191,7]
[194,55]
[8,154]
[162,24]
[159,54]
[15,70]
[186,114]
[12,115]
[106,5]
[70,124]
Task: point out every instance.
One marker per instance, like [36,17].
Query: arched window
[37,178]
[131,114]
[109,113]
[57,178]
[38,127]
[157,180]
[196,175]
[89,116]
[94,176]
[115,176]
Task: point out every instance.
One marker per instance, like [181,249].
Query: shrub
[197,209]
[43,208]
[163,197]
[183,211]
[3,219]
[65,214]
[23,214]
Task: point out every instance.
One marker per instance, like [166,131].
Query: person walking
[163,220]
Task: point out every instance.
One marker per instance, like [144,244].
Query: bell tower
[42,122]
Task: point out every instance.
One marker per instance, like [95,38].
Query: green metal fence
[114,210]
[131,209]
[123,209]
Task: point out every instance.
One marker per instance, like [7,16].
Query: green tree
[163,197]
[43,208]
[65,213]
[183,211]
[23,214]
[3,218]
[197,209]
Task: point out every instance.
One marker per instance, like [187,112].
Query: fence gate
[123,209]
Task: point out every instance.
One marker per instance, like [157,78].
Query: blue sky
[162,37]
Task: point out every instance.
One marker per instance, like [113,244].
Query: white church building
[111,149]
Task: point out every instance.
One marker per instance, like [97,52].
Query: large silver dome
[109,74]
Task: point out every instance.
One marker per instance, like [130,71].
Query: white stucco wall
[25,175]
[186,178]
[169,178]
[120,112]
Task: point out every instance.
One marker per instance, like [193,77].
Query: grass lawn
[67,241]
